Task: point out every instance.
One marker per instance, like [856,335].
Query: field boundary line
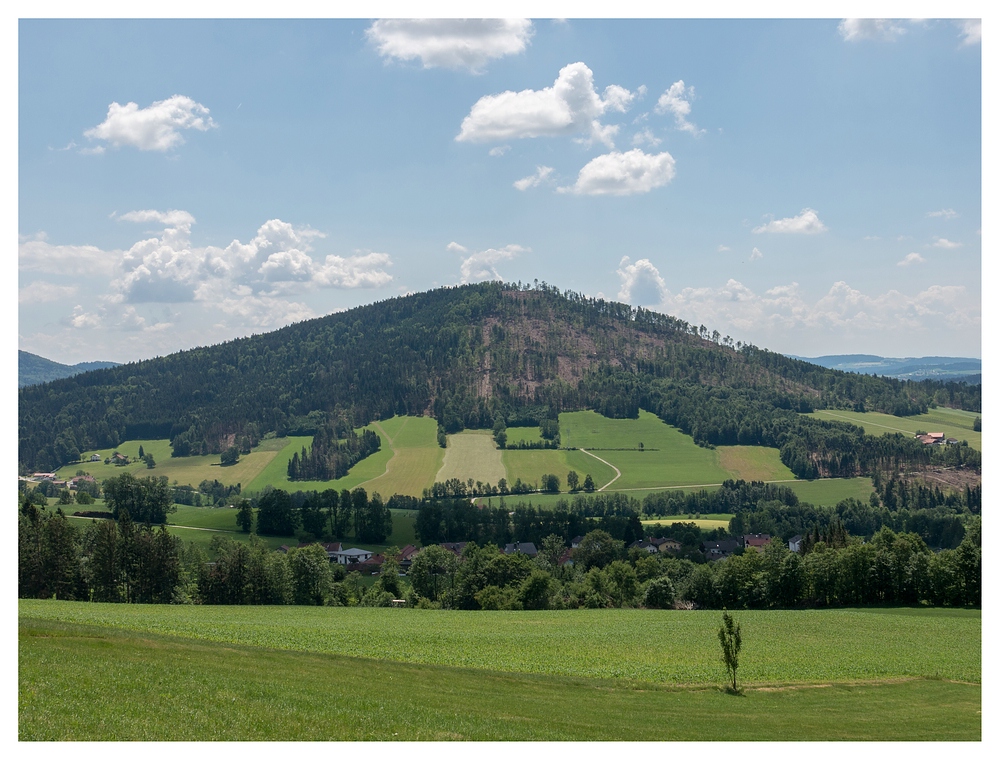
[861,425]
[609,465]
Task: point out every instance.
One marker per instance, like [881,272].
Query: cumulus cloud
[806,223]
[456,247]
[756,254]
[541,174]
[156,127]
[629,173]
[571,106]
[677,101]
[723,248]
[856,29]
[45,292]
[910,258]
[450,43]
[480,265]
[971,30]
[945,243]
[83,320]
[172,218]
[641,282]
[945,213]
[499,150]
[734,306]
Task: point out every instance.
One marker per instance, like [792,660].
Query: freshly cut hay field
[954,423]
[753,463]
[472,454]
[531,464]
[91,682]
[416,456]
[643,646]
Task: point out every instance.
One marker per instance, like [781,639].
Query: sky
[809,186]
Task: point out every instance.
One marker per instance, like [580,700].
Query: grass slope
[287,696]
[416,456]
[952,422]
[753,463]
[668,457]
[529,465]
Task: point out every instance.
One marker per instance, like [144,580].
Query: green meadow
[90,671]
[472,454]
[954,423]
[706,522]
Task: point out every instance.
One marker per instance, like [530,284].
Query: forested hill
[465,355]
[33,369]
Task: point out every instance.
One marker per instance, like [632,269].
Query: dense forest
[470,356]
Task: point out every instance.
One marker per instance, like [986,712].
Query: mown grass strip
[80,683]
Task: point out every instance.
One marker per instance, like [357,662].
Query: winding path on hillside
[619,472]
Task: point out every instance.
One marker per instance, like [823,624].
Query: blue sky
[809,186]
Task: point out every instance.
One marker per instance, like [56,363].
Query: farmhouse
[931,439]
[795,544]
[714,550]
[521,548]
[351,556]
[647,545]
[454,548]
[671,545]
[756,541]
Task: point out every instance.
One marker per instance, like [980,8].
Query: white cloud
[910,258]
[74,260]
[480,265]
[83,320]
[871,237]
[456,247]
[362,270]
[172,218]
[723,248]
[946,213]
[499,150]
[535,179]
[450,43]
[806,223]
[940,242]
[571,106]
[676,100]
[971,30]
[645,137]
[45,292]
[153,128]
[756,254]
[855,29]
[627,173]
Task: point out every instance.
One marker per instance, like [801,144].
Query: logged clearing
[954,423]
[472,454]
[753,463]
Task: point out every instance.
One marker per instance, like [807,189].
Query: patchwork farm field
[335,673]
[705,522]
[410,461]
[953,423]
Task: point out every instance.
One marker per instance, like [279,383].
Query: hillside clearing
[954,423]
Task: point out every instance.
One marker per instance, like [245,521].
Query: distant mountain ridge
[33,369]
[957,368]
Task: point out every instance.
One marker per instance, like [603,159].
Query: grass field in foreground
[780,647]
[81,682]
[952,422]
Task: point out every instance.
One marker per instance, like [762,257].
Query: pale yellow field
[472,454]
[753,463]
[703,524]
